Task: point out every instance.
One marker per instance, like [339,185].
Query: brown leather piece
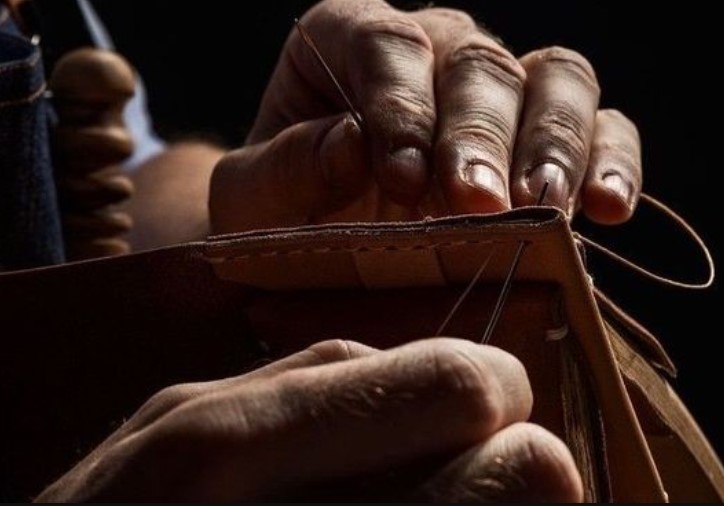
[93,340]
[326,257]
[690,469]
[639,337]
[86,344]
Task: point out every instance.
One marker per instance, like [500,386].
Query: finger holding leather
[304,172]
[325,352]
[360,416]
[554,141]
[479,91]
[393,79]
[613,183]
[383,60]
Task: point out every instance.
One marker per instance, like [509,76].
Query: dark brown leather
[93,340]
[85,344]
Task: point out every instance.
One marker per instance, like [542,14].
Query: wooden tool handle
[91,88]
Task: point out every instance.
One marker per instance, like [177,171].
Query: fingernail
[487,179]
[406,174]
[559,188]
[618,186]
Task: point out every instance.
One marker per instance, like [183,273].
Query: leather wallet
[90,341]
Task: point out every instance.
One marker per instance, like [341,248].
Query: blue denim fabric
[30,230]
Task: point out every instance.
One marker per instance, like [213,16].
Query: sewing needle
[508,283]
[356,116]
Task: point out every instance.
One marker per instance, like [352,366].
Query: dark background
[206,65]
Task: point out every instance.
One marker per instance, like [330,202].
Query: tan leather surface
[645,344]
[95,339]
[690,469]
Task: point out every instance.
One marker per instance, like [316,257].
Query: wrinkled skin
[334,412]
[452,123]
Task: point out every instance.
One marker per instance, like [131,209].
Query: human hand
[453,123]
[336,412]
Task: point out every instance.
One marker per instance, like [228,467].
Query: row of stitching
[375,229]
[341,249]
[22,65]
[24,100]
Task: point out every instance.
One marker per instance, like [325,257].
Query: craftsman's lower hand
[452,123]
[338,413]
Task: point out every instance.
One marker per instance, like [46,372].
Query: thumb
[306,171]
[521,463]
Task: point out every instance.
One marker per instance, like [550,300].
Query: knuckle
[174,395]
[454,17]
[618,118]
[485,127]
[400,105]
[166,400]
[479,53]
[394,30]
[626,156]
[485,142]
[400,110]
[561,130]
[472,386]
[332,350]
[568,60]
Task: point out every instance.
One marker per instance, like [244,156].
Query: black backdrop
[206,65]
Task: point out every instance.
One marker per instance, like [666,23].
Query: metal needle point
[356,116]
[508,283]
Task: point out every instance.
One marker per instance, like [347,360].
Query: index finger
[360,416]
[384,59]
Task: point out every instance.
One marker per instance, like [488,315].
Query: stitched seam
[24,100]
[22,65]
[341,249]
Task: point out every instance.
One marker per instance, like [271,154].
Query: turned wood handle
[91,88]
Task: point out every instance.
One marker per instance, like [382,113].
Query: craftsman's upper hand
[440,419]
[453,123]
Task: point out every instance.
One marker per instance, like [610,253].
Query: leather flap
[688,465]
[644,341]
[385,255]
